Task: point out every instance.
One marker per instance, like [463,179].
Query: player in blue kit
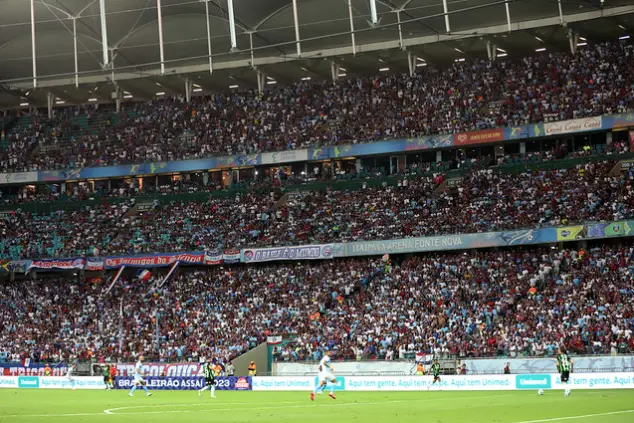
[139,378]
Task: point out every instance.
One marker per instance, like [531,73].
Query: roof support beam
[211,66]
[104,33]
[298,44]
[354,42]
[131,73]
[159,11]
[508,15]
[374,18]
[446,10]
[75,52]
[232,26]
[33,43]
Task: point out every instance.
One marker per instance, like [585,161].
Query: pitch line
[585,416]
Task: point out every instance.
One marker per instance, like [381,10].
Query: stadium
[336,210]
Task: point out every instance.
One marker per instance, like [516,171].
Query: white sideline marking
[585,416]
[276,407]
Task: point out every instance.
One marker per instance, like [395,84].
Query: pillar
[438,156]
[62,188]
[492,51]
[358,165]
[334,71]
[205,178]
[117,99]
[411,63]
[49,104]
[573,39]
[522,148]
[261,81]
[189,86]
[608,138]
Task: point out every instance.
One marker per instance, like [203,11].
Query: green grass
[22,406]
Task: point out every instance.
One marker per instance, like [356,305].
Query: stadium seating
[513,302]
[485,200]
[468,96]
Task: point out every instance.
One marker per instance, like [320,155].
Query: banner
[163,369]
[179,383]
[570,126]
[570,233]
[304,252]
[283,368]
[18,178]
[17,369]
[613,229]
[231,256]
[631,135]
[63,264]
[285,157]
[213,257]
[479,137]
[451,242]
[547,364]
[60,382]
[154,260]
[8,382]
[94,264]
[452,382]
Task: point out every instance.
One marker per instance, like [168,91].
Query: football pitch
[39,406]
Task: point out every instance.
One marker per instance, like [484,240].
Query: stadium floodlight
[24,104]
[384,69]
[624,37]
[233,86]
[232,26]
[160,93]
[540,49]
[104,32]
[373,15]
[93,100]
[581,44]
[502,54]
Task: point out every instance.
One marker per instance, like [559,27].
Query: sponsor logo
[28,382]
[533,382]
[565,233]
[242,384]
[326,251]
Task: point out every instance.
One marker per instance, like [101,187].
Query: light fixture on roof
[501,50]
[540,49]
[270,79]
[126,92]
[158,84]
[341,75]
[381,60]
[624,37]
[92,100]
[196,85]
[160,93]
[233,86]
[461,59]
[304,69]
[127,96]
[539,39]
[502,55]
[272,82]
[306,78]
[622,27]
[421,64]
[420,59]
[27,93]
[343,69]
[458,50]
[583,38]
[384,69]
[24,104]
[581,44]
[197,90]
[60,102]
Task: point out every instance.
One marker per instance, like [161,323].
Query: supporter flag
[143,274]
[273,340]
[26,362]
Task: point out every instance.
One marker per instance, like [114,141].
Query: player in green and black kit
[564,366]
[105,371]
[210,381]
[435,370]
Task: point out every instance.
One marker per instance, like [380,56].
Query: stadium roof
[266,40]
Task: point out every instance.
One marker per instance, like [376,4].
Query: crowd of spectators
[485,200]
[514,302]
[468,96]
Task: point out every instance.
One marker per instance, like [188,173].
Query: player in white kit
[139,378]
[326,374]
[69,375]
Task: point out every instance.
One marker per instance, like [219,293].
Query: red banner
[631,140]
[480,137]
[154,260]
